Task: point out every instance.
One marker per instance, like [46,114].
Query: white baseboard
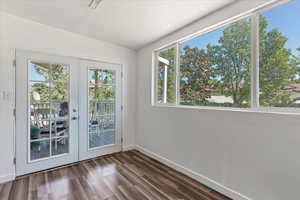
[202,179]
[7,178]
[128,147]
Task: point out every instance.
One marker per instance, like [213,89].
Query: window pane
[59,128]
[59,91]
[102,107]
[100,77]
[279,56]
[59,146]
[39,71]
[39,149]
[60,72]
[215,67]
[39,92]
[48,95]
[60,110]
[39,112]
[166,77]
[39,129]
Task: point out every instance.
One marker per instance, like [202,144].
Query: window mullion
[255,61]
[154,78]
[165,93]
[177,86]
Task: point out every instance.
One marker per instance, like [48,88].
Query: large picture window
[249,63]
[215,67]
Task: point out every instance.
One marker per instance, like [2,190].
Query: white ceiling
[130,23]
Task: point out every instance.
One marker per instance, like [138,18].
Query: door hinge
[15,160]
[14,112]
[14,63]
[122,75]
[122,107]
[121,140]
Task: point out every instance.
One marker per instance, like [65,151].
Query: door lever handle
[74,118]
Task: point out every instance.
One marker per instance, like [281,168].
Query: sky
[285,17]
[34,75]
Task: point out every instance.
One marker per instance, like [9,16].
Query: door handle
[74,118]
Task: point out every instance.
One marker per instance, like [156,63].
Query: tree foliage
[278,67]
[169,55]
[101,85]
[231,60]
[55,85]
[224,68]
[196,76]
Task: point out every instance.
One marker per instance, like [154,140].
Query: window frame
[155,77]
[254,16]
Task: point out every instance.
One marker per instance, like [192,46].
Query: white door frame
[22,134]
[84,151]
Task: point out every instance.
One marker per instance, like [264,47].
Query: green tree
[42,89]
[196,72]
[58,76]
[231,60]
[100,87]
[297,60]
[169,55]
[278,67]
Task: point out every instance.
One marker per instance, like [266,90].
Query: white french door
[100,109]
[55,97]
[46,111]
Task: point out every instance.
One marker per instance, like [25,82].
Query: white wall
[255,154]
[19,33]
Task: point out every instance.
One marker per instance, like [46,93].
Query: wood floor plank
[177,177]
[121,176]
[5,191]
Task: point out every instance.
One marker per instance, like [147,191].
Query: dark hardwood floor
[128,175]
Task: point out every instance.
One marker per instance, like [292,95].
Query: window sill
[265,110]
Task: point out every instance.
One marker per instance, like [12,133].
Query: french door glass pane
[39,93]
[60,110]
[60,145]
[39,129]
[101,90]
[48,109]
[60,72]
[39,71]
[59,128]
[39,149]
